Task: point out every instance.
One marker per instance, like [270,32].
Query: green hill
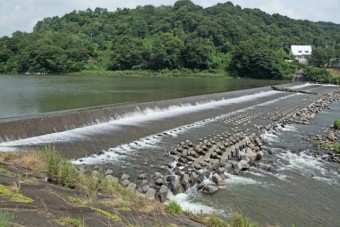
[182,36]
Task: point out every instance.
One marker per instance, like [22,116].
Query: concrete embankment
[31,126]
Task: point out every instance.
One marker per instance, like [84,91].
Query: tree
[127,53]
[197,53]
[321,57]
[256,61]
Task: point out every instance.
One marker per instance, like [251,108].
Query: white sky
[22,15]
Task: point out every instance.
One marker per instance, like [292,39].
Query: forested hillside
[182,36]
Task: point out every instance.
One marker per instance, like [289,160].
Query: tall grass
[60,171]
[173,208]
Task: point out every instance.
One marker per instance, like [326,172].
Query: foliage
[256,60]
[337,124]
[70,222]
[173,208]
[60,171]
[107,215]
[182,36]
[5,219]
[237,220]
[336,148]
[15,196]
[318,74]
[214,221]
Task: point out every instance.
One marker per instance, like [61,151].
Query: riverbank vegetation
[170,40]
[92,201]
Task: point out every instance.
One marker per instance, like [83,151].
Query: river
[23,95]
[302,191]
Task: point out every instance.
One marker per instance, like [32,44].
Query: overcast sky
[22,15]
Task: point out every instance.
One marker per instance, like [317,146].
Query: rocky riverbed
[206,163]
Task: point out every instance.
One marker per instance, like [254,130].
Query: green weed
[70,222]
[15,196]
[173,208]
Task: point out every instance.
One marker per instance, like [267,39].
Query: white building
[301,52]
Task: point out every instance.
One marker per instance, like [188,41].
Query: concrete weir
[32,126]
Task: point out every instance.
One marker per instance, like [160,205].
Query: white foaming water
[134,118]
[309,166]
[289,128]
[237,180]
[187,204]
[302,86]
[270,137]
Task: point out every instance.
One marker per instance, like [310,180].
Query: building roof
[297,50]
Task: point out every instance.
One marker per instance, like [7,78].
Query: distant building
[301,52]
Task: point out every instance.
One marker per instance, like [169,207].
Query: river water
[303,190]
[33,94]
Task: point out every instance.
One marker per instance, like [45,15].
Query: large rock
[125,182]
[208,188]
[242,165]
[185,182]
[162,193]
[132,187]
[150,194]
[217,179]
[124,177]
[109,172]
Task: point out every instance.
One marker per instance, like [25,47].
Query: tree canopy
[245,42]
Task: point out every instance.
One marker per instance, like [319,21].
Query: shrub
[173,208]
[61,172]
[337,124]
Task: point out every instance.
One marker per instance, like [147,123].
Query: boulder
[150,194]
[125,182]
[141,176]
[208,188]
[162,193]
[124,177]
[132,187]
[159,181]
[242,165]
[185,181]
[259,155]
[217,179]
[109,172]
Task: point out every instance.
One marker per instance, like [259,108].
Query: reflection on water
[27,95]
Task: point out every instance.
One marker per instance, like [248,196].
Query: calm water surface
[28,95]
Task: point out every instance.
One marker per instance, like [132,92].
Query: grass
[107,215]
[15,196]
[173,208]
[336,147]
[238,220]
[5,219]
[78,201]
[60,171]
[67,221]
[213,220]
[337,124]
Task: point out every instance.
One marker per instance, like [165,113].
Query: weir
[32,126]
